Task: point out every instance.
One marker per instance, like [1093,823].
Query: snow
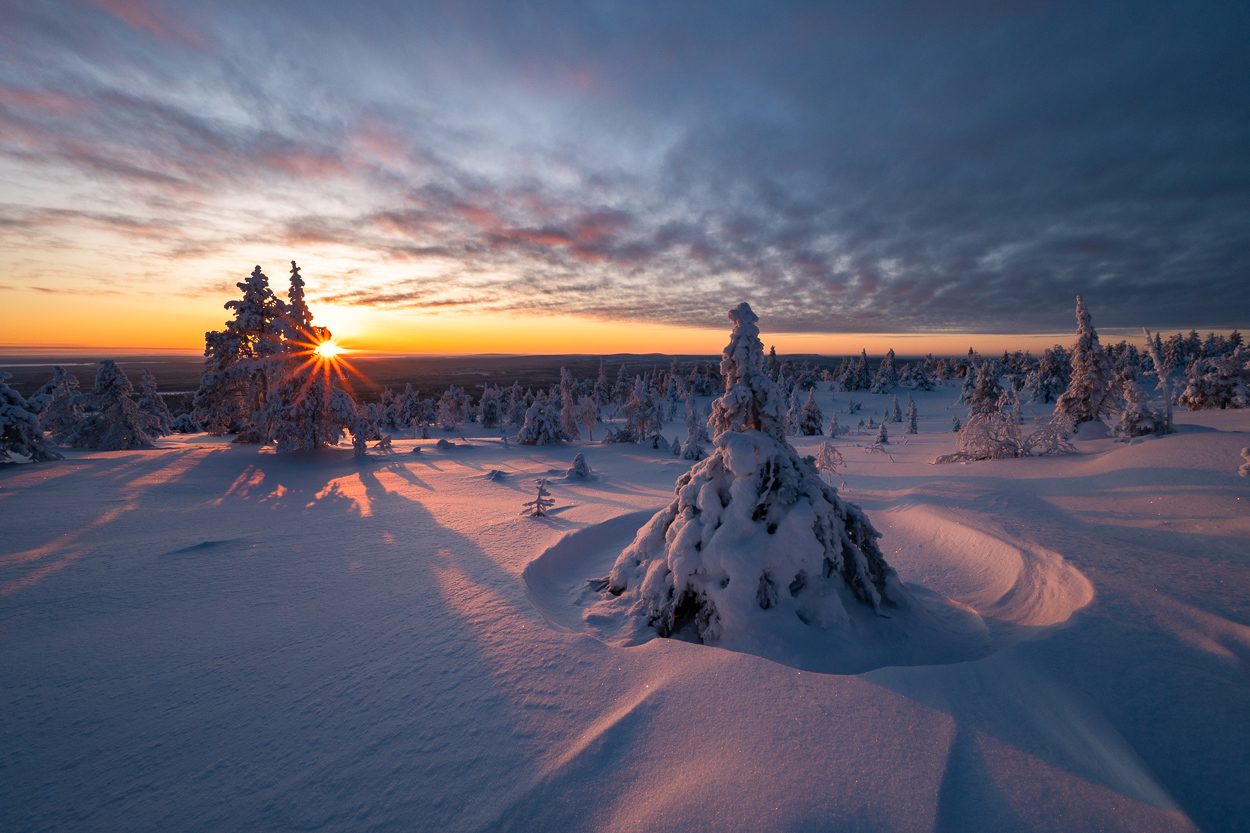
[207,636]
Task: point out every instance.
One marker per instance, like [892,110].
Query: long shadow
[211,667]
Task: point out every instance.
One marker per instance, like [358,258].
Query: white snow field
[203,636]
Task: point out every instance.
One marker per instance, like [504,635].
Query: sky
[612,177]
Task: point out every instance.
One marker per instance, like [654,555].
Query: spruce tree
[305,408]
[811,420]
[234,386]
[1088,397]
[59,409]
[20,433]
[911,416]
[111,419]
[151,404]
[887,377]
[568,405]
[689,569]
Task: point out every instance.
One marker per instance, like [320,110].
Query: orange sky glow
[130,324]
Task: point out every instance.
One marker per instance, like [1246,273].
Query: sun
[329,350]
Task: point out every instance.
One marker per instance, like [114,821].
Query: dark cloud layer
[867,167]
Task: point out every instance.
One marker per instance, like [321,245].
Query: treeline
[265,380]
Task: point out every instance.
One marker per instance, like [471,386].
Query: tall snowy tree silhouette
[234,386]
[305,408]
[1088,395]
[754,537]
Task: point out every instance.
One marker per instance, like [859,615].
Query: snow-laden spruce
[111,419]
[1089,395]
[160,423]
[755,540]
[19,428]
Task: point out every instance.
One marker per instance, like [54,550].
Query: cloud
[887,168]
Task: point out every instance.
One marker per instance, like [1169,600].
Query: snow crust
[207,636]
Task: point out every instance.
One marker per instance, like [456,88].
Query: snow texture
[204,636]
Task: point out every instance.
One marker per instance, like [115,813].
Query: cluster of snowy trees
[1090,383]
[108,417]
[265,380]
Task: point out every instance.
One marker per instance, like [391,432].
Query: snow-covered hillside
[203,636]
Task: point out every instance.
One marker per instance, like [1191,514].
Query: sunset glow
[329,349]
[522,182]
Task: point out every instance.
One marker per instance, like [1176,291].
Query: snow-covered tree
[642,415]
[579,470]
[1088,397]
[307,410]
[1164,375]
[517,405]
[911,416]
[1220,382]
[542,424]
[588,415]
[995,435]
[896,413]
[1052,375]
[887,377]
[489,410]
[751,400]
[835,430]
[860,378]
[623,387]
[918,377]
[59,408]
[183,424]
[365,426]
[829,461]
[303,407]
[19,428]
[111,419]
[1244,471]
[1138,418]
[754,537]
[1009,403]
[792,414]
[982,396]
[151,404]
[234,386]
[568,405]
[883,436]
[811,420]
[537,508]
[453,408]
[696,430]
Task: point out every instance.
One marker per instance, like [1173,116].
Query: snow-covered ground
[210,637]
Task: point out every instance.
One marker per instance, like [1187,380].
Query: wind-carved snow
[974,591]
[1004,579]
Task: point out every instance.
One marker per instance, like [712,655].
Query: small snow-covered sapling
[1244,471]
[579,468]
[537,508]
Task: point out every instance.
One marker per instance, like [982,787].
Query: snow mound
[973,592]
